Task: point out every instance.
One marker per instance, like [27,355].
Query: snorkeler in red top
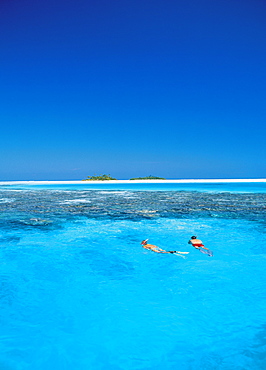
[197,243]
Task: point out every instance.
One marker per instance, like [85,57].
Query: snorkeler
[156,249]
[197,243]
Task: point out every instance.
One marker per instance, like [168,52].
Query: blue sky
[132,88]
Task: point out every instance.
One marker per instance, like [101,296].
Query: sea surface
[77,290]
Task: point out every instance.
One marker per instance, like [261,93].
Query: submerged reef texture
[38,207]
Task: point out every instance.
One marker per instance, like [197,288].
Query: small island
[99,178]
[109,177]
[148,178]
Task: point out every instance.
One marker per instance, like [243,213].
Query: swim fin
[178,252]
[207,251]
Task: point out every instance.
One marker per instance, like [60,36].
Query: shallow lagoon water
[79,292]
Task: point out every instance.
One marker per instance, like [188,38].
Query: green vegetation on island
[148,178]
[109,177]
[99,178]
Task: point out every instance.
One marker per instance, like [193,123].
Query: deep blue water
[79,292]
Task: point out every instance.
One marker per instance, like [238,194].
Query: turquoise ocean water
[77,290]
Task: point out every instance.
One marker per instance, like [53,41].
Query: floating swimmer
[197,243]
[156,249]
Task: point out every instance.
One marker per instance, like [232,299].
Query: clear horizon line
[216,180]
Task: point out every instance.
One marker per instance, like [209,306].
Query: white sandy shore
[185,181]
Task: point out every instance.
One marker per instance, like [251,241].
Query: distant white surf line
[183,181]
